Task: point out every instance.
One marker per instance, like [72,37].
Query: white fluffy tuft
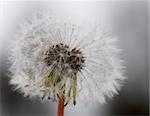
[103,72]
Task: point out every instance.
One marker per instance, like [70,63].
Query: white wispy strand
[103,72]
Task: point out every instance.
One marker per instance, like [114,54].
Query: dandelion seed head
[52,59]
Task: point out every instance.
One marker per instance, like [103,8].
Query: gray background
[129,21]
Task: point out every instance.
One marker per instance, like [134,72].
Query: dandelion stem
[60,107]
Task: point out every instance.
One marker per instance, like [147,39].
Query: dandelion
[65,62]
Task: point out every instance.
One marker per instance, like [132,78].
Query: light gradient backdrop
[129,22]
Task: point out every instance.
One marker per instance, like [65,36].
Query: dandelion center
[64,57]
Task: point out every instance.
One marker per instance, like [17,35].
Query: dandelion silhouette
[64,62]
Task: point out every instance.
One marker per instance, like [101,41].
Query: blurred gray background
[129,21]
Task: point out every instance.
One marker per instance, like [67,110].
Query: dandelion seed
[61,62]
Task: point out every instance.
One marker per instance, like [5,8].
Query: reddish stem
[60,107]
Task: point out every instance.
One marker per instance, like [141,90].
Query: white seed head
[52,59]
